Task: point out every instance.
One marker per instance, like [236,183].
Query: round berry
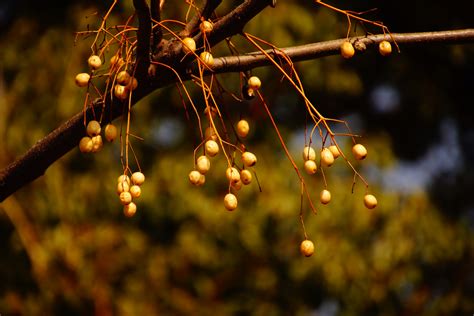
[201,181]
[194,177]
[97,143]
[110,132]
[203,164]
[230,202]
[310,166]
[123,78]
[370,201]
[359,151]
[189,45]
[325,196]
[309,153]
[307,248]
[138,178]
[120,92]
[335,152]
[123,186]
[243,128]
[347,50]
[93,128]
[212,148]
[82,79]
[385,48]
[207,58]
[232,174]
[130,209]
[249,159]
[86,145]
[327,158]
[94,62]
[135,191]
[123,178]
[245,176]
[125,198]
[254,83]
[116,61]
[206,26]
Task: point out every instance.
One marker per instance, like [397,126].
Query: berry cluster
[128,188]
[347,49]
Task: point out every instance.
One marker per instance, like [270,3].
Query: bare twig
[38,158]
[208,8]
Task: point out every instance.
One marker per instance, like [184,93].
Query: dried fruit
[123,78]
[97,143]
[203,164]
[309,153]
[212,148]
[125,198]
[135,191]
[120,92]
[93,128]
[189,45]
[232,174]
[207,58]
[138,178]
[254,83]
[110,132]
[130,209]
[206,26]
[194,177]
[85,144]
[335,152]
[245,176]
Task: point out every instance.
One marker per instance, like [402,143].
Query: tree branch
[38,158]
[209,7]
[143,35]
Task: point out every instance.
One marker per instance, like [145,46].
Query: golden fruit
[194,177]
[327,159]
[120,92]
[86,145]
[325,196]
[370,201]
[110,132]
[135,191]
[212,148]
[206,26]
[254,83]
[347,50]
[123,78]
[232,174]
[207,58]
[385,48]
[94,62]
[249,159]
[309,153]
[243,128]
[245,176]
[130,209]
[125,198]
[310,166]
[335,152]
[97,143]
[230,202]
[359,151]
[93,128]
[307,248]
[203,164]
[189,45]
[138,178]
[82,79]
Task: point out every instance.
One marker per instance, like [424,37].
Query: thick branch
[39,157]
[143,35]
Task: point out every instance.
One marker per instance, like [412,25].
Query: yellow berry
[120,92]
[125,198]
[347,50]
[94,62]
[325,196]
[206,26]
[245,176]
[135,191]
[249,159]
[370,201]
[327,158]
[254,83]
[123,178]
[243,128]
[335,152]
[110,132]
[201,181]
[310,166]
[359,151]
[194,177]
[97,143]
[230,202]
[130,209]
[189,45]
[123,78]
[212,148]
[232,174]
[307,248]
[138,178]
[82,79]
[207,58]
[123,186]
[116,60]
[86,145]
[93,128]
[203,164]
[385,48]
[309,153]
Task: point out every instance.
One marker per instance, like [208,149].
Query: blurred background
[67,249]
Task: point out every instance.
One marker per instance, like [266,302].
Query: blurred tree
[68,250]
